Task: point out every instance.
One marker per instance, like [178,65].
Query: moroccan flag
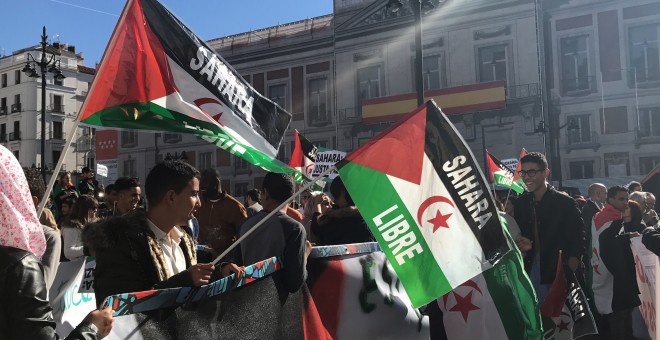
[158,75]
[498,304]
[303,156]
[421,192]
[516,177]
[501,175]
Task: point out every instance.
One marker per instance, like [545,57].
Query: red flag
[554,301]
[516,177]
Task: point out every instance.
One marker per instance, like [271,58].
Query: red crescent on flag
[201,101]
[427,203]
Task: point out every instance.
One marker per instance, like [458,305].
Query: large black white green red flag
[421,192]
[158,75]
[303,155]
[501,175]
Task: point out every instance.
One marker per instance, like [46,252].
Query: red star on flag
[562,326]
[464,305]
[440,220]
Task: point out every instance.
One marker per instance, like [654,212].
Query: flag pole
[56,171]
[270,214]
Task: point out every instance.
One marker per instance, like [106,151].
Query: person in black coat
[549,221]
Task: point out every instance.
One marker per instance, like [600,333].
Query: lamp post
[571,125]
[31,71]
[417,7]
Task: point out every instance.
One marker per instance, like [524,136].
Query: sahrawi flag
[303,155]
[426,201]
[157,75]
[501,175]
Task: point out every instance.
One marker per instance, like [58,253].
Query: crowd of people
[170,236]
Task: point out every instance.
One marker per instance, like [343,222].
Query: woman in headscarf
[24,309]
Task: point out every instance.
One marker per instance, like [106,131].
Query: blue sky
[87,24]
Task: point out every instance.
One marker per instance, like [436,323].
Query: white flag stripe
[456,249]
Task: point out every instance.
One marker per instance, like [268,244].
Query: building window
[3,133]
[17,77]
[617,164]
[240,163]
[583,132]
[204,161]
[317,98]
[129,168]
[3,106]
[368,83]
[646,164]
[56,105]
[128,139]
[432,72]
[16,107]
[643,49]
[240,189]
[4,80]
[277,93]
[614,120]
[17,154]
[575,64]
[493,63]
[583,169]
[171,137]
[57,132]
[649,122]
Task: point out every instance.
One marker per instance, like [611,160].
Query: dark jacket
[24,309]
[129,259]
[560,226]
[341,226]
[617,256]
[651,239]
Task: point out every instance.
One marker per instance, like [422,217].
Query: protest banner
[645,266]
[325,158]
[69,306]
[87,283]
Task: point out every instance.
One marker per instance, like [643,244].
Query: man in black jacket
[549,221]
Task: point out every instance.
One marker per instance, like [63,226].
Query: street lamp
[46,64]
[570,125]
[418,6]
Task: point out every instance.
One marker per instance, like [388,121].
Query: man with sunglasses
[549,221]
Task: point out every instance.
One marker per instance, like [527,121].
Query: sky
[88,24]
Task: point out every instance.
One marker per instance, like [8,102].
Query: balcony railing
[55,108]
[57,135]
[319,119]
[16,108]
[3,110]
[86,143]
[646,137]
[348,115]
[644,77]
[576,140]
[578,86]
[523,91]
[16,135]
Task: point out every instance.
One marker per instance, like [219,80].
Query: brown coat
[219,222]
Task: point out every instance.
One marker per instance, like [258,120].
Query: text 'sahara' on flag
[303,155]
[426,201]
[501,175]
[158,75]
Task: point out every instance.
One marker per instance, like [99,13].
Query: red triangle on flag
[399,150]
[134,67]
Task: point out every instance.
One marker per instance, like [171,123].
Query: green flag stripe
[420,275]
[513,295]
[153,117]
[507,182]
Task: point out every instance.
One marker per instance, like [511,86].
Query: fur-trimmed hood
[334,215]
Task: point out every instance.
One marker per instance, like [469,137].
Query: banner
[69,306]
[645,266]
[326,158]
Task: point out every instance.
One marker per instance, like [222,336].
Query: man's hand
[308,249]
[201,273]
[102,319]
[573,263]
[524,244]
[233,268]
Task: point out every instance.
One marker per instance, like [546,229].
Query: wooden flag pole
[270,214]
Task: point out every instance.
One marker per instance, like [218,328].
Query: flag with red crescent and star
[303,155]
[427,203]
[157,75]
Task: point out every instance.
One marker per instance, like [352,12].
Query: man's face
[186,202]
[619,201]
[601,195]
[128,199]
[534,176]
[650,202]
